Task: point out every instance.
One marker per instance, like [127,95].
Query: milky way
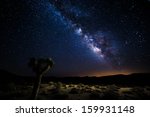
[99,43]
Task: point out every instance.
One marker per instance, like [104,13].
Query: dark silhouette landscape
[114,87]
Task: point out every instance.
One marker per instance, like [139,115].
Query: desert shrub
[56,89]
[95,95]
[128,96]
[140,93]
[58,85]
[74,91]
[135,93]
[148,88]
[58,95]
[87,90]
[86,86]
[111,92]
[51,83]
[81,85]
[97,86]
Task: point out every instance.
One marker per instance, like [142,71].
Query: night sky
[83,37]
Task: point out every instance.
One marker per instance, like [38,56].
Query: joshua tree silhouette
[40,67]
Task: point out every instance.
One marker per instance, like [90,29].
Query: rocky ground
[58,90]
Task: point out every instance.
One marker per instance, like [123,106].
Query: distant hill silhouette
[7,77]
[132,79]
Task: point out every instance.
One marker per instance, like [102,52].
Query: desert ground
[63,91]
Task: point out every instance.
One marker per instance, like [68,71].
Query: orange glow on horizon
[113,73]
[107,73]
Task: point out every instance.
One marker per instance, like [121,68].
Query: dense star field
[83,37]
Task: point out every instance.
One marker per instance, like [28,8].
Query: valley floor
[58,90]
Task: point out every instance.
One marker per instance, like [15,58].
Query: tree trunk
[36,87]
